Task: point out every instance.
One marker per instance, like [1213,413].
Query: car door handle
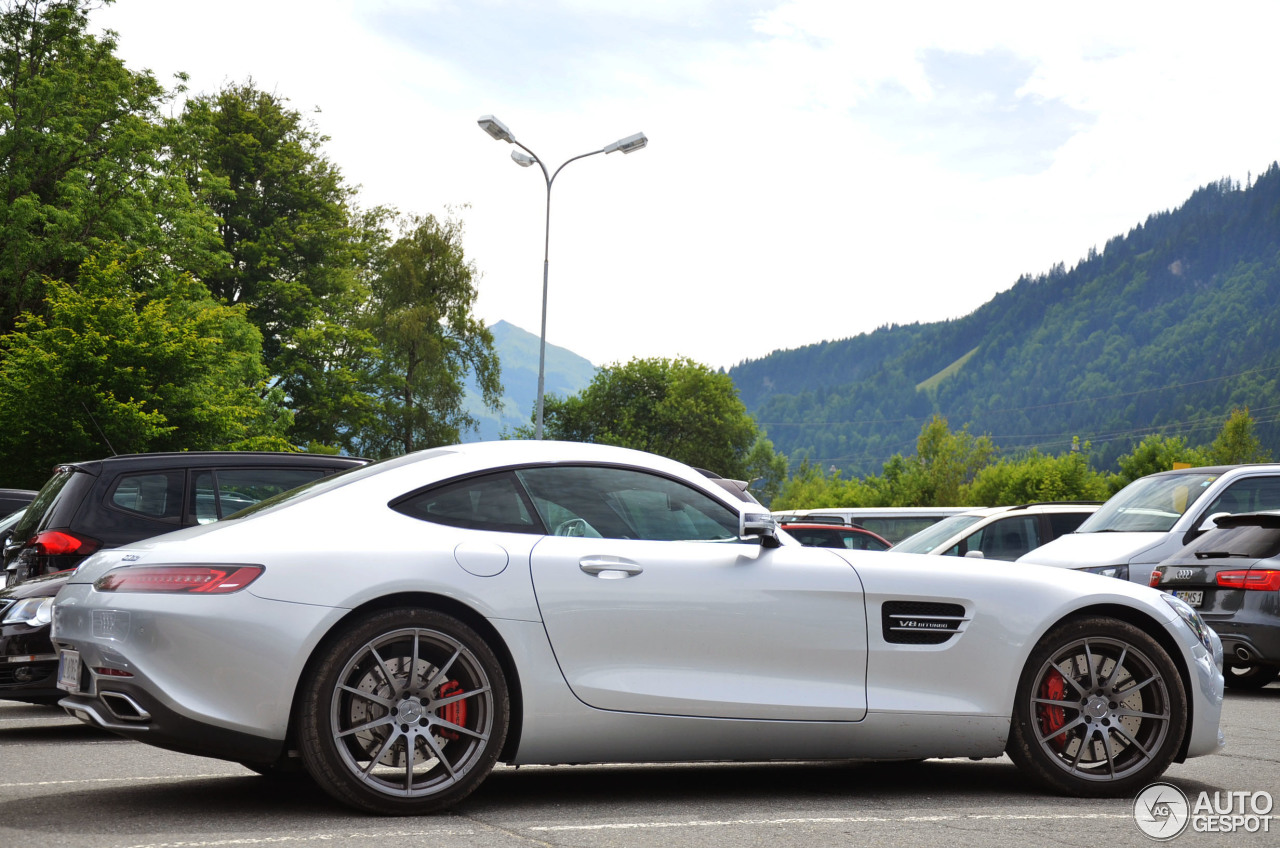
[609,568]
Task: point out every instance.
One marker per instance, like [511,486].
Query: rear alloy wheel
[1100,709]
[404,714]
[1250,676]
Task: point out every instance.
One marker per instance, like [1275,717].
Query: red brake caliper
[1052,719]
[455,713]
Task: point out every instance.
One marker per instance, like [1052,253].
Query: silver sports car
[400,628]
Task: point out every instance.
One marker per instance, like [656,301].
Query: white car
[998,532]
[400,628]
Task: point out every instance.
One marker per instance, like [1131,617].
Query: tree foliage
[284,211]
[115,370]
[423,291]
[958,469]
[674,407]
[84,158]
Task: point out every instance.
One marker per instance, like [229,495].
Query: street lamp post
[499,131]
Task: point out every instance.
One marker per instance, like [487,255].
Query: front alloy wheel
[1100,709]
[404,714]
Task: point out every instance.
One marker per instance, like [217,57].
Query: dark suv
[1231,576]
[87,506]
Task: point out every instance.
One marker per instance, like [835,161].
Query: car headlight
[32,611]
[1120,572]
[1192,619]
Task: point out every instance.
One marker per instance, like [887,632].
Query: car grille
[921,622]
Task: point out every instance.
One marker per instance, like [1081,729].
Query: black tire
[1100,710]
[1250,676]
[404,713]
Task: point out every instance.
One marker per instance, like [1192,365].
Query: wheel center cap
[410,711]
[1097,707]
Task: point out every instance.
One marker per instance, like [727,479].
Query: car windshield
[1149,505]
[930,537]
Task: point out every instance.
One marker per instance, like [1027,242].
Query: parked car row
[1203,534]
[1210,535]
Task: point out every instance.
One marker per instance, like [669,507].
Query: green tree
[112,369]
[766,470]
[1155,453]
[84,158]
[299,253]
[420,318]
[1037,477]
[284,210]
[677,408]
[945,462]
[1237,442]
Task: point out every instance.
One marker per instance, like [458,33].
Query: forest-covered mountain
[1165,330]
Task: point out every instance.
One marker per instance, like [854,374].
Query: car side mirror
[759,524]
[975,555]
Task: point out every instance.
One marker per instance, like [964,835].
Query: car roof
[1039,506]
[1217,469]
[853,528]
[193,459]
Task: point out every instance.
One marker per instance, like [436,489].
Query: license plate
[1194,599]
[69,670]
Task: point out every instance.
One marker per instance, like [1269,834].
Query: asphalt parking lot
[65,784]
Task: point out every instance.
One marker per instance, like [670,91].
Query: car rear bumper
[133,713]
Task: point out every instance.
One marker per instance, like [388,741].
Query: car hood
[1086,550]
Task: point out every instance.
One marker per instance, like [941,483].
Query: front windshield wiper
[1219,555]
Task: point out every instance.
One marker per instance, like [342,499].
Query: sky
[816,169]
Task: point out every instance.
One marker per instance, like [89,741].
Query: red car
[836,536]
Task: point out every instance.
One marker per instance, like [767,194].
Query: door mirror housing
[761,525]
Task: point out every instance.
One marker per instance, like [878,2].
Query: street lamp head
[522,159]
[628,144]
[496,128]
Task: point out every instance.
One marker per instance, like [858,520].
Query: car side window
[1248,495]
[490,502]
[1062,523]
[620,503]
[1007,539]
[217,494]
[157,495]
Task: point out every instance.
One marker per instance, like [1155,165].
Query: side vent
[920,622]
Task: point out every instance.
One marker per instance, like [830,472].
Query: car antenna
[99,429]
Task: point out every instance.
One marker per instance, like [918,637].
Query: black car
[1231,576]
[88,506]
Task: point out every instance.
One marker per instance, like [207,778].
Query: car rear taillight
[58,543]
[1259,579]
[1157,574]
[185,579]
